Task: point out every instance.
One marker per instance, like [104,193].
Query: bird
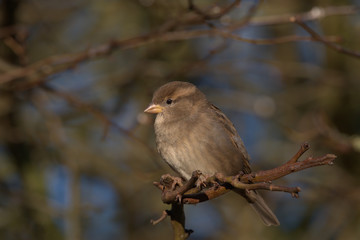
[193,134]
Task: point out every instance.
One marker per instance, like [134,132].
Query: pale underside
[220,148]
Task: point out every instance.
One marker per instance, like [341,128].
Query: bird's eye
[169,101]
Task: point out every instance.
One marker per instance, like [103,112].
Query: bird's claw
[177,182]
[202,181]
[171,181]
[214,183]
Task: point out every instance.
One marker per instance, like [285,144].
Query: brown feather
[193,134]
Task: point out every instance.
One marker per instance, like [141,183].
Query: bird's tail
[261,208]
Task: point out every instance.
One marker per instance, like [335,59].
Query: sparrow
[192,134]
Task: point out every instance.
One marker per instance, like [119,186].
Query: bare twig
[314,14]
[252,181]
[321,39]
[211,14]
[304,147]
[223,184]
[205,195]
[107,121]
[287,168]
[15,46]
[236,183]
[58,63]
[245,21]
[162,217]
[191,19]
[214,192]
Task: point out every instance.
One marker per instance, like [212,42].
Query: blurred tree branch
[315,13]
[17,75]
[98,114]
[217,185]
[39,70]
[321,39]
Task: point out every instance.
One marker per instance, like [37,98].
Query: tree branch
[170,193]
[218,184]
[177,216]
[315,13]
[59,63]
[285,169]
[323,40]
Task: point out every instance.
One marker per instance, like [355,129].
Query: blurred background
[77,153]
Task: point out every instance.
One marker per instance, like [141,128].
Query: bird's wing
[235,138]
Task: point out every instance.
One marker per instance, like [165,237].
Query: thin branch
[16,47]
[220,185]
[286,169]
[58,63]
[98,115]
[161,218]
[253,181]
[304,147]
[216,191]
[215,12]
[191,19]
[270,41]
[321,39]
[205,195]
[314,14]
[236,183]
[246,20]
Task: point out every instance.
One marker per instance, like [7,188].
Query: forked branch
[191,193]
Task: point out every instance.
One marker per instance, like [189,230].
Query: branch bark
[177,216]
[321,39]
[39,70]
[218,184]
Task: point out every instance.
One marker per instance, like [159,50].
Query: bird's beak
[154,108]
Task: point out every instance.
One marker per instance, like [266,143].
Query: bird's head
[176,100]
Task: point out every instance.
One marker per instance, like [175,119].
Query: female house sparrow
[192,134]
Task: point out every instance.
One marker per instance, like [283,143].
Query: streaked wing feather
[235,138]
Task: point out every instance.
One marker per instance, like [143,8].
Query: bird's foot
[202,181]
[171,182]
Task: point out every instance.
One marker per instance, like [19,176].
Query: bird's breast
[188,146]
[175,147]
